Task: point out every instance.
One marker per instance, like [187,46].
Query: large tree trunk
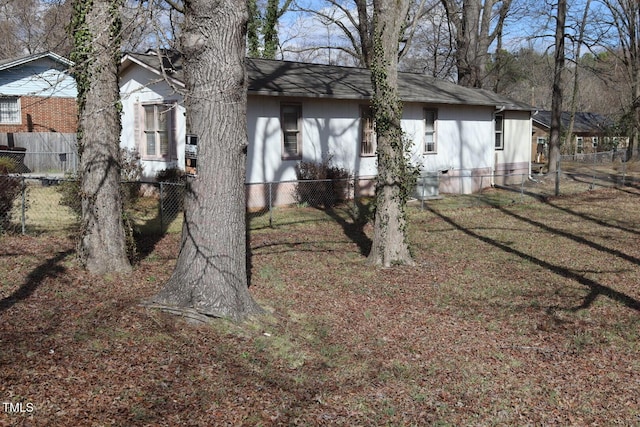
[210,278]
[390,242]
[472,22]
[556,95]
[102,247]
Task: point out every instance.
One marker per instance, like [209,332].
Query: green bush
[10,188]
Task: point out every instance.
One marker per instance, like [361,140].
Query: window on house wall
[368,133]
[499,132]
[157,135]
[430,118]
[579,144]
[10,110]
[291,122]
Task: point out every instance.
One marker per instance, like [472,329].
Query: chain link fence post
[23,216]
[270,204]
[557,189]
[161,206]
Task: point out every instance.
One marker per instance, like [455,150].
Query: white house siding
[513,164]
[135,89]
[464,145]
[465,160]
[44,78]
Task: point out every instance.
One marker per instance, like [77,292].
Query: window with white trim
[579,144]
[499,131]
[10,110]
[368,132]
[430,119]
[291,123]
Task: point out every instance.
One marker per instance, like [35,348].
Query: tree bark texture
[472,26]
[556,94]
[102,246]
[210,276]
[390,243]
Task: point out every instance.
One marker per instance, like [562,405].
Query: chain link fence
[36,205]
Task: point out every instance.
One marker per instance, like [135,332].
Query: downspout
[495,153]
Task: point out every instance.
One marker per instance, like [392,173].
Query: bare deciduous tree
[556,97]
[475,25]
[96,53]
[211,276]
[390,244]
[626,24]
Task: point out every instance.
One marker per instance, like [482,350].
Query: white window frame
[498,131]
[430,133]
[10,116]
[287,108]
[368,141]
[156,132]
[579,144]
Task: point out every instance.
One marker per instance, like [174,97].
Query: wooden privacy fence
[45,152]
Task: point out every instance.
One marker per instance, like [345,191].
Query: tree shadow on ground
[595,289]
[50,268]
[170,206]
[352,221]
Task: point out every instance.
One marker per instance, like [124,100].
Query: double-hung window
[157,130]
[499,131]
[368,132]
[10,110]
[430,119]
[291,122]
[579,144]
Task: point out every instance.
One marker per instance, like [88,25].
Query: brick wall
[45,115]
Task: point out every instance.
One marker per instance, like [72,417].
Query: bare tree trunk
[390,242]
[102,247]
[472,22]
[576,81]
[556,96]
[211,277]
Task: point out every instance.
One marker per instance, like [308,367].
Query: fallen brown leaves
[517,315]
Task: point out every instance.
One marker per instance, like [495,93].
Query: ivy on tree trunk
[390,242]
[96,30]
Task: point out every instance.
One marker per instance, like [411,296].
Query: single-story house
[592,133]
[299,111]
[38,110]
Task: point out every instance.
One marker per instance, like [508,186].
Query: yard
[516,314]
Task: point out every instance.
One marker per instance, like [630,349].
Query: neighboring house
[591,133]
[38,110]
[300,111]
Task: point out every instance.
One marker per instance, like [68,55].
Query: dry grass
[516,314]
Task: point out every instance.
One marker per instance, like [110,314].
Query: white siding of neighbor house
[135,89]
[44,78]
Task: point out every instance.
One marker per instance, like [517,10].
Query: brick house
[38,110]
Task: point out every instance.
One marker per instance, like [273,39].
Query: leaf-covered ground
[522,314]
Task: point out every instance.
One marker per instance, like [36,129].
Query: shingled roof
[590,123]
[304,80]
